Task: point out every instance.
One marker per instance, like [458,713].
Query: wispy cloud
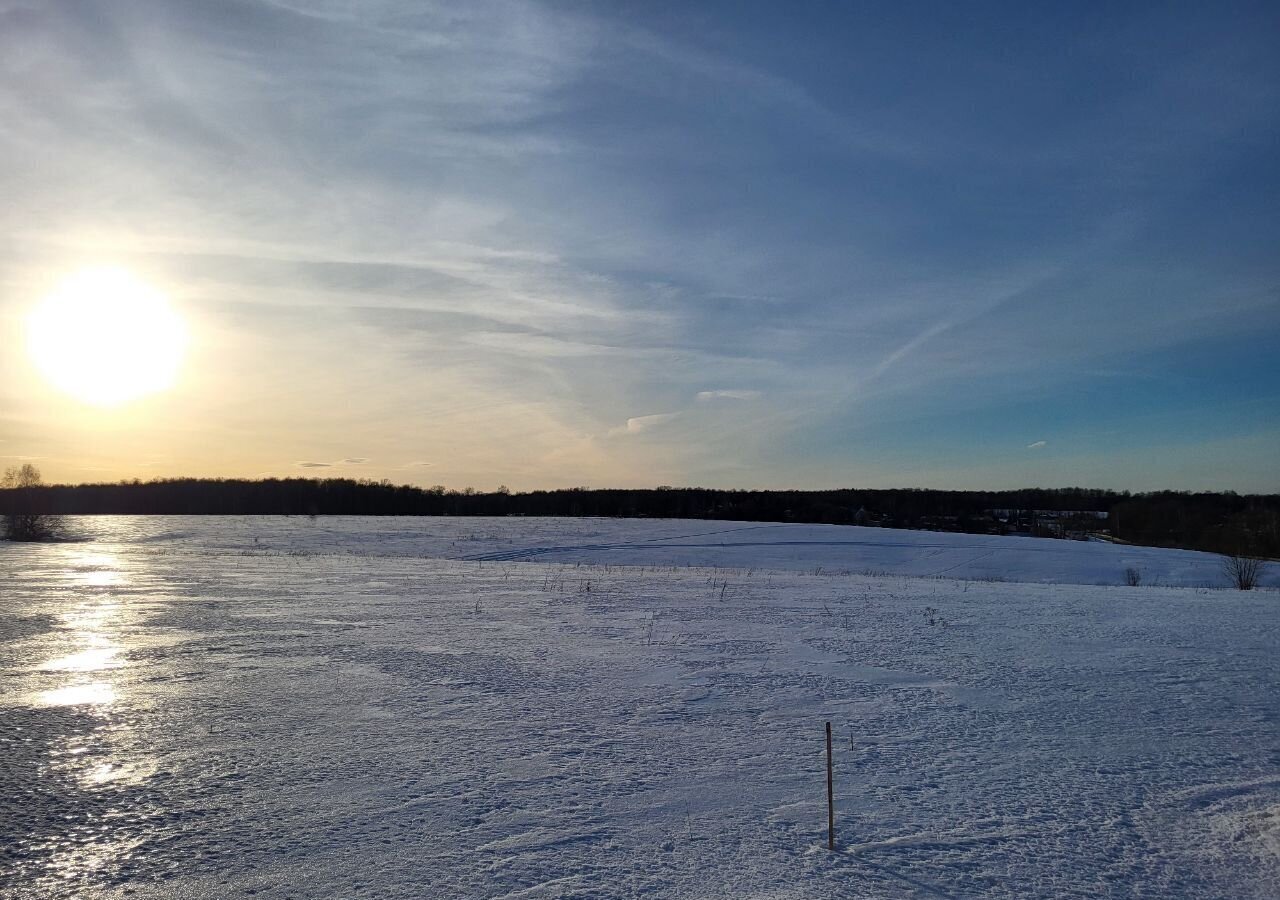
[1037,445]
[707,396]
[314,465]
[638,424]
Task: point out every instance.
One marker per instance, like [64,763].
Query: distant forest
[1206,521]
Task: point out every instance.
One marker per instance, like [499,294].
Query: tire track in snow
[528,552]
[963,562]
[668,542]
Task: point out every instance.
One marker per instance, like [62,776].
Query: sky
[732,245]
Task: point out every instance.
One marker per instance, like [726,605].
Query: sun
[106,337]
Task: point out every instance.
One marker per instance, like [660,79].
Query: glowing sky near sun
[549,244]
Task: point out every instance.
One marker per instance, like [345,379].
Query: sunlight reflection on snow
[96,570]
[94,659]
[90,625]
[79,673]
[94,693]
[106,773]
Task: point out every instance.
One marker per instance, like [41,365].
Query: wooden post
[831,805]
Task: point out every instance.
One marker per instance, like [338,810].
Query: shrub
[1242,571]
[23,521]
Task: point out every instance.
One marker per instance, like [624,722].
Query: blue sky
[953,245]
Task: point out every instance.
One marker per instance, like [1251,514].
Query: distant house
[1076,524]
[864,516]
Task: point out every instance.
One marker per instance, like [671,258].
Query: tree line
[1218,522]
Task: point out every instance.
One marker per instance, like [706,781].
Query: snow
[831,549]
[276,707]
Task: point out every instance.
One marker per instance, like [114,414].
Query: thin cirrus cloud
[1037,445]
[707,396]
[607,211]
[639,424]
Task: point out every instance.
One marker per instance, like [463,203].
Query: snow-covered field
[281,707]
[824,549]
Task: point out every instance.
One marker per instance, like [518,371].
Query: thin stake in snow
[831,804]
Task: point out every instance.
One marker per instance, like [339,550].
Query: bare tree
[1242,571]
[23,521]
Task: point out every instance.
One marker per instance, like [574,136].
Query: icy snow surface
[345,707]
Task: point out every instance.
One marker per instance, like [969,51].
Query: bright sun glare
[105,337]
